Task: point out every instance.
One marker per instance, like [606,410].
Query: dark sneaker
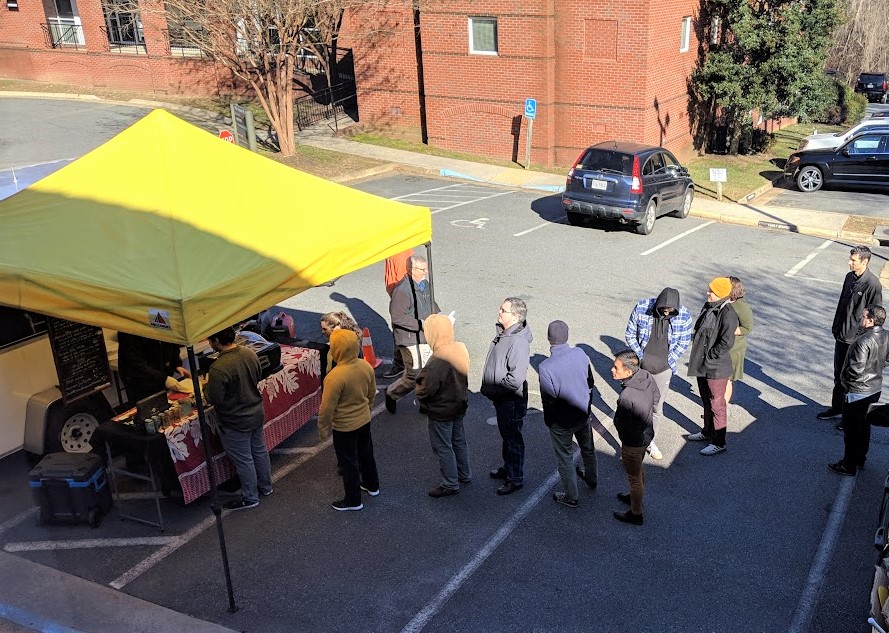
[629,517]
[372,493]
[268,493]
[842,469]
[240,504]
[393,372]
[827,414]
[441,491]
[342,506]
[508,488]
[582,475]
[565,500]
[498,473]
[391,404]
[623,497]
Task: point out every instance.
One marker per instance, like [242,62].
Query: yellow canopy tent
[171,233]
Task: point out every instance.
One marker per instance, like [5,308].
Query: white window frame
[472,49]
[685,35]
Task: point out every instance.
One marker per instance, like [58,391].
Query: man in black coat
[861,288]
[710,362]
[862,379]
[634,421]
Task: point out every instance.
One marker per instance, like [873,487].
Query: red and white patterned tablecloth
[290,397]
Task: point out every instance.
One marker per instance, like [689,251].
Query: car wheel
[646,226]
[809,179]
[575,218]
[685,209]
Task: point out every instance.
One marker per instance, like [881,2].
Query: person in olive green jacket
[745,327]
[346,402]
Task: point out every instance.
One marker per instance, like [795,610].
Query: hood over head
[343,346]
[669,298]
[439,330]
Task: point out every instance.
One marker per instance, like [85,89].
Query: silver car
[831,141]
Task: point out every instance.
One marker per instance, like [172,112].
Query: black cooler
[71,487]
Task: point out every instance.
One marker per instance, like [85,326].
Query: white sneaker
[712,449]
[654,451]
[697,437]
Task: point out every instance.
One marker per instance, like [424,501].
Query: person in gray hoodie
[566,388]
[504,384]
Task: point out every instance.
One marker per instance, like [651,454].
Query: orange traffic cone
[367,349]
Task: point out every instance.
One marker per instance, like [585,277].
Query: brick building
[599,70]
[101,43]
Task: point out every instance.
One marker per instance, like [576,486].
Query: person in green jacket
[745,327]
[346,402]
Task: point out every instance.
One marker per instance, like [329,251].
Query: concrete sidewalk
[38,598]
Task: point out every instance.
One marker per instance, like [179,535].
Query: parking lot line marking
[89,543]
[460,204]
[178,541]
[824,281]
[417,193]
[14,521]
[793,271]
[419,621]
[539,226]
[678,237]
[809,598]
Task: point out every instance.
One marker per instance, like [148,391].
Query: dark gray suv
[627,182]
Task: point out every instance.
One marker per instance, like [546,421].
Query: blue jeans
[449,445]
[247,450]
[510,417]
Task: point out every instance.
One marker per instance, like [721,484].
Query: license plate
[602,185]
[870,85]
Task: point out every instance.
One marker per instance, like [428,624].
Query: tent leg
[429,272]
[214,497]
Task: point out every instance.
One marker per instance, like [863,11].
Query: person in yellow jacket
[346,402]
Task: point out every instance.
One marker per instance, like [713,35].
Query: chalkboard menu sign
[81,359]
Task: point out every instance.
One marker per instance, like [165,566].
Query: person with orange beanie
[710,362]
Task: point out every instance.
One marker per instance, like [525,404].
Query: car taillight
[637,177]
[885,84]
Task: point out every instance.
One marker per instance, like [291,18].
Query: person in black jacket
[862,379]
[634,421]
[711,363]
[861,288]
[147,364]
[566,388]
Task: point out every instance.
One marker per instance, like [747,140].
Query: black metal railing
[125,40]
[325,104]
[60,35]
[180,45]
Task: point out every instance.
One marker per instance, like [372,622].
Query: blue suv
[627,182]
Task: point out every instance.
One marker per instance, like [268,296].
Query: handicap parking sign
[531,108]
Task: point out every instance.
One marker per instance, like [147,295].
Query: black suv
[627,182]
[874,85]
[861,162]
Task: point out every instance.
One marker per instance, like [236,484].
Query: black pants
[856,430]
[839,357]
[355,457]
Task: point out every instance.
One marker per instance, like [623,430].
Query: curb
[859,238]
[366,173]
[205,114]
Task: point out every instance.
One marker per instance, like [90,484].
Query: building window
[686,34]
[64,28]
[12,5]
[123,27]
[483,36]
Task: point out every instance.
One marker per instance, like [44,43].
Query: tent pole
[429,271]
[208,458]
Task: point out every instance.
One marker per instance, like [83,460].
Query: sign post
[530,114]
[245,130]
[719,176]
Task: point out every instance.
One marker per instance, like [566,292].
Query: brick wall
[595,69]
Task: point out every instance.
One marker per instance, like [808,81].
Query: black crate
[71,487]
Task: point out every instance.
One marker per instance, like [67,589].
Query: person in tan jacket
[346,402]
[443,393]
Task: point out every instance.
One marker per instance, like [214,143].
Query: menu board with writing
[81,358]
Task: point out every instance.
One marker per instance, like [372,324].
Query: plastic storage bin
[71,487]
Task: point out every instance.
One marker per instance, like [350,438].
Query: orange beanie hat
[721,287]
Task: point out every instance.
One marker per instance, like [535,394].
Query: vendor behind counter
[148,366]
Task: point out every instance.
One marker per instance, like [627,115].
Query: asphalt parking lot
[762,537]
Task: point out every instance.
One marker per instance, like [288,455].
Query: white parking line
[809,598]
[178,541]
[90,543]
[539,226]
[14,521]
[419,621]
[793,271]
[454,206]
[678,237]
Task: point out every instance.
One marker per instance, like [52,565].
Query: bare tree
[861,43]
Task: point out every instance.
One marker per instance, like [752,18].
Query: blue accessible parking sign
[531,108]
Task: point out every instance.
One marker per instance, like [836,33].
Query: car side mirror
[845,152]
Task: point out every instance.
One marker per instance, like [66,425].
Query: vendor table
[290,397]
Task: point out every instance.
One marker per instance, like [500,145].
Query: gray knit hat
[557,333]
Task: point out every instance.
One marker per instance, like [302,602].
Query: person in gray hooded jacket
[504,384]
